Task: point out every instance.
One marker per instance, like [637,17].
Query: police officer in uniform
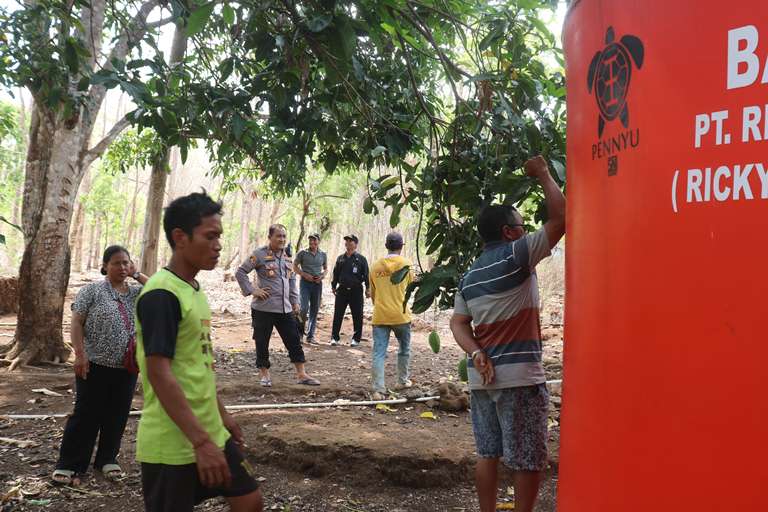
[275,302]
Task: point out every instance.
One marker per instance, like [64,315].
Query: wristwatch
[136,275]
[474,353]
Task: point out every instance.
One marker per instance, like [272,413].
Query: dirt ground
[347,459]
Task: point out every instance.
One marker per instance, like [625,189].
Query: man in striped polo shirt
[496,321]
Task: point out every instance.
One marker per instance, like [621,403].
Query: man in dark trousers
[350,274]
[275,302]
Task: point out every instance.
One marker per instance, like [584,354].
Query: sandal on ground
[64,477]
[265,382]
[111,471]
[308,381]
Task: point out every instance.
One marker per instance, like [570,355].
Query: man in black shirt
[350,274]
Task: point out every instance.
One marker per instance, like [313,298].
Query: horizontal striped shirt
[501,294]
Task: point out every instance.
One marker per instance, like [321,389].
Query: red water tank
[665,404]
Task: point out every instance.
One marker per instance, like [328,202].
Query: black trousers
[287,328]
[352,297]
[102,405]
[178,488]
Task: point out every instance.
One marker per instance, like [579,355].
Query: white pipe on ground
[251,407]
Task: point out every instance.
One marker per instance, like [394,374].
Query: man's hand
[536,167]
[368,293]
[234,429]
[318,279]
[82,366]
[333,291]
[296,308]
[212,465]
[484,365]
[261,293]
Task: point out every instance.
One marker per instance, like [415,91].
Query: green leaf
[463,374]
[388,183]
[559,169]
[400,275]
[331,161]
[378,150]
[238,126]
[226,67]
[319,23]
[70,55]
[199,18]
[394,219]
[183,150]
[228,13]
[368,205]
[434,341]
[348,37]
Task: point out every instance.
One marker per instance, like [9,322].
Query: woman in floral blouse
[102,325]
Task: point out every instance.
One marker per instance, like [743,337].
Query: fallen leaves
[46,392]
[18,442]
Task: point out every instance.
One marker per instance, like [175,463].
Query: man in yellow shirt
[390,316]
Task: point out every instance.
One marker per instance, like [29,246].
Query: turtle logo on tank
[609,74]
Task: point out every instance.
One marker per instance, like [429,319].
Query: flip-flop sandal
[111,471]
[309,381]
[63,476]
[267,383]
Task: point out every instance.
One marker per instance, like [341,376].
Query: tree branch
[447,63]
[133,33]
[97,150]
[329,195]
[416,91]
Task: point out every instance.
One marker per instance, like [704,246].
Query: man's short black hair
[187,212]
[275,227]
[492,220]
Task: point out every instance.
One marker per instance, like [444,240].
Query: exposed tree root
[17,357]
[15,363]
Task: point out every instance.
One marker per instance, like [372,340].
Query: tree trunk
[259,231]
[153,218]
[58,155]
[228,240]
[53,174]
[306,203]
[107,241]
[274,214]
[132,215]
[77,234]
[95,261]
[76,238]
[17,199]
[249,194]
